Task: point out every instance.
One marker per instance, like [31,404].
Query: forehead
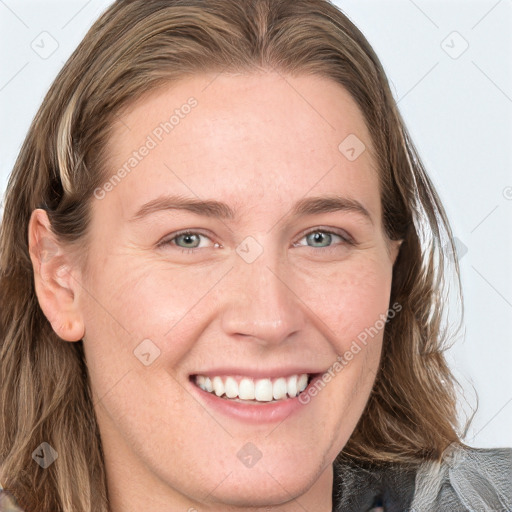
[248,139]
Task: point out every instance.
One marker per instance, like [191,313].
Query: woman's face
[267,285]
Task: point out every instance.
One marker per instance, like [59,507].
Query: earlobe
[395,249]
[56,288]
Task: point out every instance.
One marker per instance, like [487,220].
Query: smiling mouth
[249,390]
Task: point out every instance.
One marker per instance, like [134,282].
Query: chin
[263,486]
[259,492]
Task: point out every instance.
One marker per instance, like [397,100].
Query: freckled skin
[255,144]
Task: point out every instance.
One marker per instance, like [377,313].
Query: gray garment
[466,480]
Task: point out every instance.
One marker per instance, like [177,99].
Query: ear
[55,279]
[394,249]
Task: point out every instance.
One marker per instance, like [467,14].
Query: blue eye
[319,236]
[192,240]
[189,238]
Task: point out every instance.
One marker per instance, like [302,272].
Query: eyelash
[345,239]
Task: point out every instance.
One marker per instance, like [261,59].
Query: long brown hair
[135,47]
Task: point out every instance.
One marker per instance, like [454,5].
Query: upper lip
[258,373]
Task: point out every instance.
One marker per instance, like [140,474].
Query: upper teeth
[262,390]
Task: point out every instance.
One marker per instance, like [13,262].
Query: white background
[457,104]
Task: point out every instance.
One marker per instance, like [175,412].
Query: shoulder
[372,487]
[7,502]
[464,479]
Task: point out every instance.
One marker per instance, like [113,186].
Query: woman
[254,369]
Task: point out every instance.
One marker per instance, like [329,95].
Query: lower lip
[263,412]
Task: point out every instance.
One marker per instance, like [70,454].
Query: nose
[261,303]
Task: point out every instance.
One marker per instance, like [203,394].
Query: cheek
[131,302]
[131,299]
[350,298]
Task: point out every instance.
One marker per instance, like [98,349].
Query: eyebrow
[217,209]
